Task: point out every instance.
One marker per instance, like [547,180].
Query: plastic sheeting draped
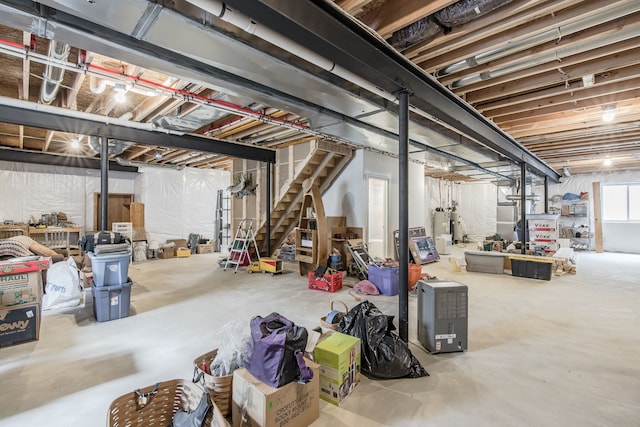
[32,190]
[176,202]
[179,202]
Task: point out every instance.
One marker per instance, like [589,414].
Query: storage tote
[108,270]
[111,302]
[387,279]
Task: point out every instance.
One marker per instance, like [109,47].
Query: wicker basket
[163,400]
[219,388]
[332,326]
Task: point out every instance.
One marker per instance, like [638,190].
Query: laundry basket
[155,405]
[218,387]
[333,316]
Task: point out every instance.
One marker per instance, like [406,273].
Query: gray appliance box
[442,316]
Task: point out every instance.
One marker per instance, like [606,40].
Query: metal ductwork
[115,146]
[52,78]
[451,16]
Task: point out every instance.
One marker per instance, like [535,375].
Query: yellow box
[183,252]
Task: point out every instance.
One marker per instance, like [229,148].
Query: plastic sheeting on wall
[477,204]
[32,190]
[179,202]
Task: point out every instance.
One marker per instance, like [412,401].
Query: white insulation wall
[179,202]
[176,202]
[32,190]
[477,212]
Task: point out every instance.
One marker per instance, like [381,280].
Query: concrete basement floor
[558,353]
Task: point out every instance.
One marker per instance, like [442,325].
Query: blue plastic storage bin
[109,270]
[111,302]
[387,279]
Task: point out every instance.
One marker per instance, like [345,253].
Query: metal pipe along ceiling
[545,36]
[556,55]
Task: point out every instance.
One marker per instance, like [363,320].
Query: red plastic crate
[328,282]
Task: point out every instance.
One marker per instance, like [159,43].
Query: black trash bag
[383,354]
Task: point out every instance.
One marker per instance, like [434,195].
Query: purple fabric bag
[278,346]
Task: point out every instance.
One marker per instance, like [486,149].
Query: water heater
[441,223]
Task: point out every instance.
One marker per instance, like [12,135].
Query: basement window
[621,202]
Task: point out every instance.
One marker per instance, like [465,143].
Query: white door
[377,215]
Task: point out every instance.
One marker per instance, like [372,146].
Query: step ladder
[241,245]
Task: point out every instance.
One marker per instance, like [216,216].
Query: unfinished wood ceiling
[544,71]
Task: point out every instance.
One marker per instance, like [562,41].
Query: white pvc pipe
[220,10]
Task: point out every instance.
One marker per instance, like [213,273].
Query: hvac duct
[115,146]
[53,75]
[456,14]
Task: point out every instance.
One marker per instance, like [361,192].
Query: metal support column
[523,206]
[104,182]
[403,237]
[546,194]
[268,202]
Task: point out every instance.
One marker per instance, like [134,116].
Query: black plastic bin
[531,269]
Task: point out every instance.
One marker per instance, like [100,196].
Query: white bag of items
[63,286]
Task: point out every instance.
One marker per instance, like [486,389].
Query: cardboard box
[21,288]
[339,358]
[204,248]
[24,266]
[183,252]
[19,324]
[165,253]
[179,243]
[292,405]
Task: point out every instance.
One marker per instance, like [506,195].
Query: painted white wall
[616,237]
[347,196]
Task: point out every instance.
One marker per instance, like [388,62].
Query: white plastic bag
[233,342]
[63,285]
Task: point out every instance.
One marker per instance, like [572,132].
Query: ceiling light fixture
[608,113]
[565,171]
[158,155]
[607,162]
[75,143]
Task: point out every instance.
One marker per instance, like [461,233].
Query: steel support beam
[523,207]
[104,183]
[62,120]
[40,158]
[268,203]
[328,31]
[403,217]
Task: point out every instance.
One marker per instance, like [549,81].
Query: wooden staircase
[323,164]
